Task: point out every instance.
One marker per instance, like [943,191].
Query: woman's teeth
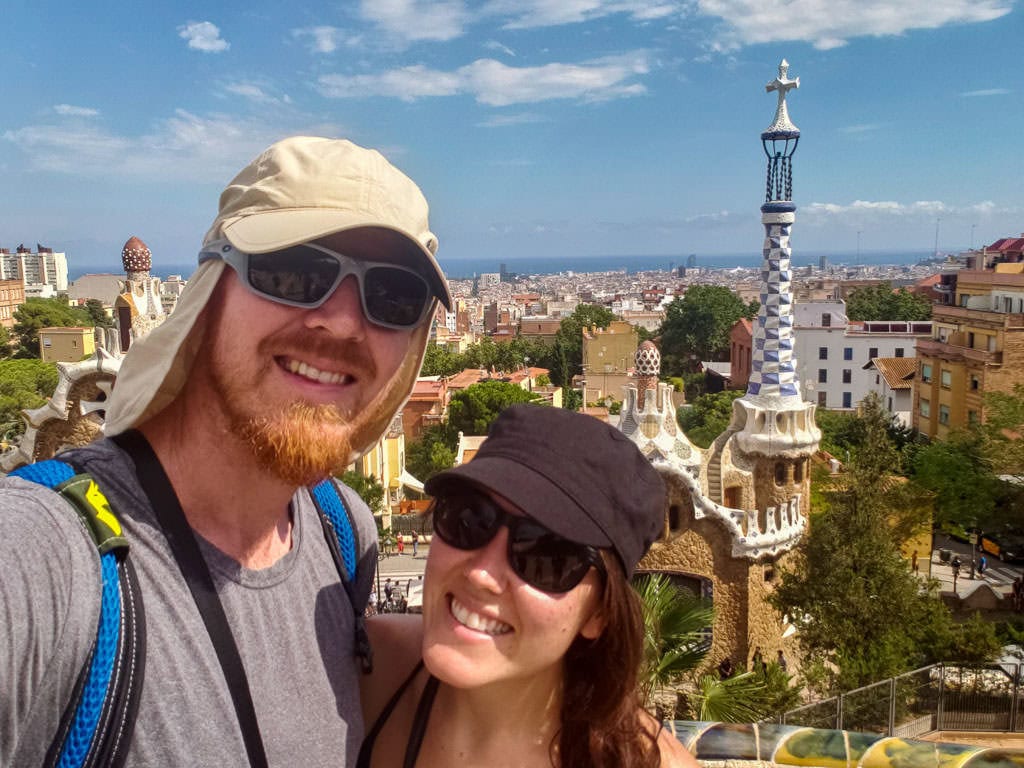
[468,618]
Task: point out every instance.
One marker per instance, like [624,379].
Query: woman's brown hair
[601,717]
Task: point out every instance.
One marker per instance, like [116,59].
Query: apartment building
[35,268]
[977,342]
[834,354]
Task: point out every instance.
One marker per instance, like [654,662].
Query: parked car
[1008,546]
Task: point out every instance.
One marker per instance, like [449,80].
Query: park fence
[940,697]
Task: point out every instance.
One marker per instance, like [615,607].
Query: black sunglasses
[307,275]
[541,558]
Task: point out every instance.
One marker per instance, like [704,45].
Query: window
[826,320]
[926,408]
[848,376]
[899,351]
[890,405]
[975,382]
[946,378]
[926,373]
[822,399]
[823,353]
[822,375]
[970,339]
[780,473]
[872,353]
[943,414]
[847,400]
[74,343]
[847,353]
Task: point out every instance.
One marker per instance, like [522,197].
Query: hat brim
[530,492]
[270,230]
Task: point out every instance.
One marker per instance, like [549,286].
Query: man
[280,365]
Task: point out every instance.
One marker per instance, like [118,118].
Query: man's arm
[49,610]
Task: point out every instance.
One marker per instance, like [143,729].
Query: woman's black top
[419,723]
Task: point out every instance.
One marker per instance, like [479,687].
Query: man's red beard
[302,444]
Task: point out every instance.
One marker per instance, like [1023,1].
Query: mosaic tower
[774,427]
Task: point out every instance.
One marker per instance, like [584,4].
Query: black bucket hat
[574,474]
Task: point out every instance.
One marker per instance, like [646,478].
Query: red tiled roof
[897,371]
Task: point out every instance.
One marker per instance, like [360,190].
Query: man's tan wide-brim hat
[298,190]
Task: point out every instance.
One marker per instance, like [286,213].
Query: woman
[531,635]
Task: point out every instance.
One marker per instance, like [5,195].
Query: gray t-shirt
[293,624]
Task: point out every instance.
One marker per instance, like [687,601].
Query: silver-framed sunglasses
[307,275]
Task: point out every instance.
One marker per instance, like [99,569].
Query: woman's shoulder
[673,753]
[397,641]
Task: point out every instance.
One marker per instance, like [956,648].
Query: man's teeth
[475,621]
[313,374]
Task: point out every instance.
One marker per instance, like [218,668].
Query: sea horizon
[546,265]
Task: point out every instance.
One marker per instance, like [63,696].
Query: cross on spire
[783,85]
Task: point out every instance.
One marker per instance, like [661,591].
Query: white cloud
[494,45]
[890,209]
[987,92]
[863,128]
[503,121]
[831,23]
[326,39]
[411,20]
[72,111]
[181,147]
[527,14]
[203,36]
[496,84]
[255,93]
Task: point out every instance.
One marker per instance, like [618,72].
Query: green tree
[369,489]
[572,400]
[23,384]
[697,326]
[959,474]
[675,647]
[43,313]
[100,318]
[567,354]
[861,615]
[881,302]
[707,417]
[433,452]
[472,410]
[439,361]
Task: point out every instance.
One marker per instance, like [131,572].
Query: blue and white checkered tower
[772,419]
[773,368]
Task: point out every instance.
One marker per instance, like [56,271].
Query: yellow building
[66,345]
[608,355]
[977,346]
[385,461]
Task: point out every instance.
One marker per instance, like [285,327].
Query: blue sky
[553,128]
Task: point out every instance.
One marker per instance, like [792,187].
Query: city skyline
[542,128]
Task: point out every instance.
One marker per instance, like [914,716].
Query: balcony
[965,314]
[956,352]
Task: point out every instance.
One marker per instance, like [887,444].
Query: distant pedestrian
[1018,593]
[415,545]
[725,669]
[781,661]
[401,544]
[954,565]
[388,589]
[982,565]
[757,662]
[913,561]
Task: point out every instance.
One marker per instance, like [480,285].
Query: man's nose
[342,313]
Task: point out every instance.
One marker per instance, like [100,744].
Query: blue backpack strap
[96,725]
[341,540]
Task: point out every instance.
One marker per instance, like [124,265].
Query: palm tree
[675,645]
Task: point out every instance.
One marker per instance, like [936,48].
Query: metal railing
[940,697]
